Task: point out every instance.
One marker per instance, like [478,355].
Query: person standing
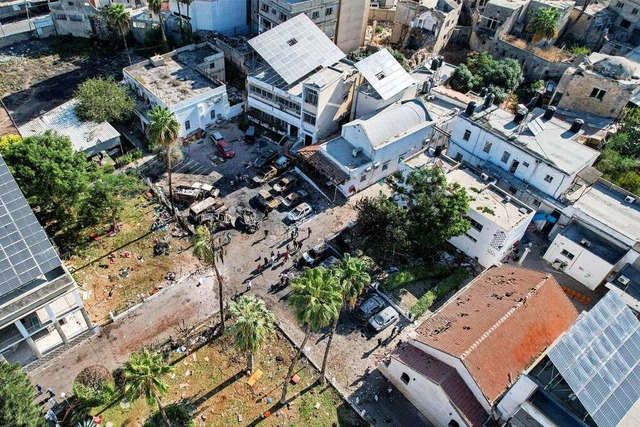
[249,285]
[259,268]
[308,232]
[286,255]
[266,262]
[273,258]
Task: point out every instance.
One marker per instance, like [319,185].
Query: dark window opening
[292,42]
[405,378]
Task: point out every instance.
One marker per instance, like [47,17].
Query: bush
[103,100]
[379,29]
[413,274]
[136,154]
[439,291]
[176,413]
[124,160]
[94,386]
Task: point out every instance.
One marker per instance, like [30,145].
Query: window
[309,118]
[625,24]
[473,239]
[487,147]
[567,254]
[60,16]
[363,178]
[137,24]
[505,157]
[385,166]
[311,97]
[328,11]
[282,16]
[492,24]
[264,7]
[405,378]
[458,157]
[187,125]
[453,423]
[634,11]
[525,164]
[315,15]
[475,224]
[76,18]
[212,65]
[512,189]
[70,3]
[548,178]
[467,135]
[273,11]
[536,203]
[619,5]
[598,93]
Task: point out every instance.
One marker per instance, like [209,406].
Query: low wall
[533,67]
[236,110]
[377,14]
[17,38]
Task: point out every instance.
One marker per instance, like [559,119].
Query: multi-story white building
[228,17]
[80,18]
[188,81]
[300,85]
[40,306]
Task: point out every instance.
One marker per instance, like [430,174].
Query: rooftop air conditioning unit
[376,165]
[630,199]
[585,243]
[624,280]
[507,199]
[523,211]
[484,177]
[356,151]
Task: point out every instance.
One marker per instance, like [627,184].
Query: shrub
[440,290]
[124,160]
[94,386]
[580,50]
[413,274]
[176,413]
[136,154]
[379,29]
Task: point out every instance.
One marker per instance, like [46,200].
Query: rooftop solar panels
[295,48]
[599,357]
[384,74]
[25,251]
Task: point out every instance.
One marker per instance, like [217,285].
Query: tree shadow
[277,406]
[217,389]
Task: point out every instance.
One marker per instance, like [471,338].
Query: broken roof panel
[295,48]
[384,74]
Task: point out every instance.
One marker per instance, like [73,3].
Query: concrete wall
[533,67]
[278,11]
[590,30]
[334,103]
[377,14]
[235,56]
[586,267]
[352,24]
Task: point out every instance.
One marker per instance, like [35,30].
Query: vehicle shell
[294,199]
[267,200]
[299,212]
[265,159]
[383,319]
[285,184]
[265,175]
[217,136]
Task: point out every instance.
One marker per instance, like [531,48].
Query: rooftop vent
[630,199]
[488,101]
[624,280]
[585,243]
[484,177]
[521,113]
[157,60]
[292,42]
[549,112]
[483,92]
[523,211]
[576,125]
[380,75]
[507,199]
[356,151]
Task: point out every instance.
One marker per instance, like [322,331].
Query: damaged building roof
[507,314]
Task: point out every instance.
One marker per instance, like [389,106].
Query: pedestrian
[308,232]
[259,268]
[249,284]
[286,255]
[40,389]
[286,279]
[287,247]
[293,234]
[266,233]
[266,214]
[379,342]
[296,231]
[394,331]
[282,278]
[51,393]
[273,258]
[266,262]
[399,343]
[278,255]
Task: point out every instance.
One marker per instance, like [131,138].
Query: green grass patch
[413,274]
[442,289]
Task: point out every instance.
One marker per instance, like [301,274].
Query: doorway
[514,166]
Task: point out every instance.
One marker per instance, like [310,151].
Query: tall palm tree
[352,277]
[118,19]
[143,374]
[253,324]
[164,130]
[208,248]
[316,301]
[155,6]
[544,24]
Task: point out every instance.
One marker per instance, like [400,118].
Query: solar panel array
[25,250]
[599,358]
[384,74]
[295,48]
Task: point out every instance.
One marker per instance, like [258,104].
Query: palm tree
[155,6]
[352,278]
[208,248]
[253,324]
[316,300]
[164,130]
[544,24]
[118,19]
[143,377]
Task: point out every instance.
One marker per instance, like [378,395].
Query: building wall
[273,12]
[627,14]
[576,86]
[334,105]
[352,24]
[585,267]
[365,104]
[533,67]
[379,14]
[228,17]
[202,112]
[427,25]
[427,396]
[73,19]
[591,29]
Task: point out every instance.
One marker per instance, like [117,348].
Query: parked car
[217,136]
[329,262]
[265,158]
[250,135]
[265,175]
[383,320]
[370,307]
[266,200]
[225,149]
[283,162]
[285,184]
[299,212]
[294,199]
[314,255]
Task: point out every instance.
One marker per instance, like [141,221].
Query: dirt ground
[38,75]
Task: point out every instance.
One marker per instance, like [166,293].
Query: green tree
[7,140]
[253,325]
[17,406]
[352,277]
[544,24]
[155,6]
[103,100]
[462,79]
[630,181]
[436,210]
[209,248]
[315,298]
[481,70]
[118,19]
[628,145]
[143,374]
[163,131]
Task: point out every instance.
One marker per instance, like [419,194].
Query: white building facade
[228,17]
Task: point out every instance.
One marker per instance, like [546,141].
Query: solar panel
[384,74]
[25,251]
[598,358]
[295,48]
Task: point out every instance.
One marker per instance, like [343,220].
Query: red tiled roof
[499,324]
[448,378]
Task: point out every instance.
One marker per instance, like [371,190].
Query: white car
[217,136]
[383,320]
[299,212]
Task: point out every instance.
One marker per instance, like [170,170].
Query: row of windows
[364,176]
[280,100]
[309,118]
[62,17]
[314,15]
[620,5]
[311,97]
[475,224]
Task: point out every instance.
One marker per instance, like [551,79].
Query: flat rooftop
[633,287]
[177,79]
[598,245]
[610,208]
[550,140]
[490,201]
[342,151]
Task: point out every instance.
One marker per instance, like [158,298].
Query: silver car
[383,320]
[370,307]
